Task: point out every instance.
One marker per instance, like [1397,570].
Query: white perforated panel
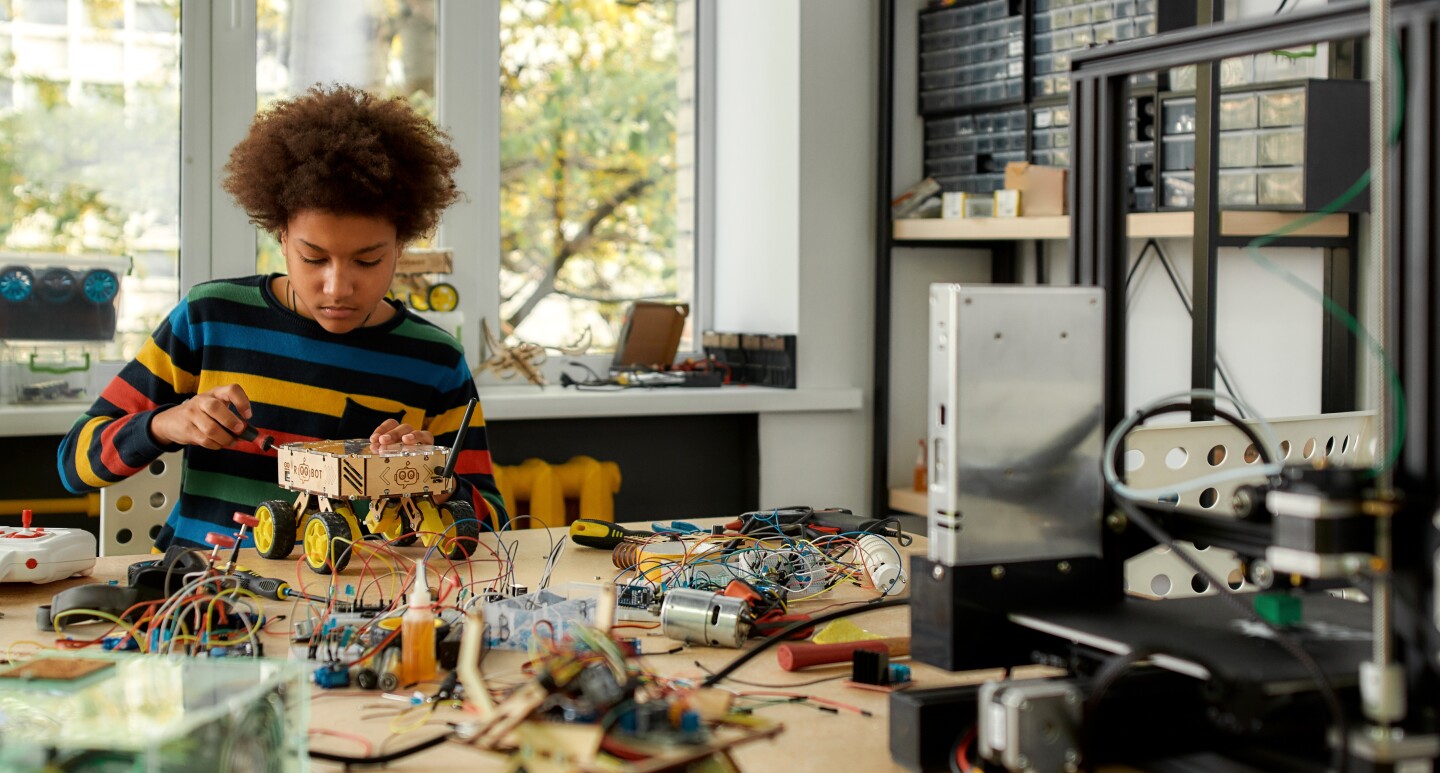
[1165,455]
[133,510]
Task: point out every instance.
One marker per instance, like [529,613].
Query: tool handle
[601,534]
[794,657]
[265,587]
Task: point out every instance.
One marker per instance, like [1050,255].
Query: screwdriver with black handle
[603,534]
[270,588]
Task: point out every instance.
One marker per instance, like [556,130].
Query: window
[387,49]
[43,12]
[89,146]
[575,122]
[597,138]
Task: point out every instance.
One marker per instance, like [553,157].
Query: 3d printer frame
[1072,613]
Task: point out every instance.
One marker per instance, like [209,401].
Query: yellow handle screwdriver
[602,534]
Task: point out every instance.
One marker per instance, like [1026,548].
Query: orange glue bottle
[921,469]
[417,637]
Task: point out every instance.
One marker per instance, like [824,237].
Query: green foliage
[68,172]
[589,105]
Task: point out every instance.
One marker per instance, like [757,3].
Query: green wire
[1334,309]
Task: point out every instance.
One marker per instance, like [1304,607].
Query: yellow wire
[423,710]
[378,553]
[254,612]
[144,646]
[10,650]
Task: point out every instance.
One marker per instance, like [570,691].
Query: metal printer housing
[1016,414]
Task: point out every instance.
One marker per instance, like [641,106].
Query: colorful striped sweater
[303,382]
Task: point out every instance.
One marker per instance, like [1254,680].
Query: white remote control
[41,555]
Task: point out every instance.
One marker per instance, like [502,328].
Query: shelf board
[1140,225]
[908,500]
[983,228]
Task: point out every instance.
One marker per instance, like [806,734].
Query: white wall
[1268,335]
[757,176]
[794,229]
[913,270]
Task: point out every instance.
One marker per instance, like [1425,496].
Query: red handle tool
[793,657]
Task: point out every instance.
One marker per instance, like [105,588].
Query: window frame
[218,101]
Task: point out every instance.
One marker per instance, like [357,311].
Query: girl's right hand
[204,420]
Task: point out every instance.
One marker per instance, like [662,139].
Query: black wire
[800,625]
[785,686]
[1185,407]
[1139,259]
[381,759]
[587,369]
[1327,689]
[1286,642]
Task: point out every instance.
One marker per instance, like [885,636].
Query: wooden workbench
[812,740]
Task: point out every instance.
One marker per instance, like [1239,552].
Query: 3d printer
[1029,537]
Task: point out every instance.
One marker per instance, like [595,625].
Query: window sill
[502,403]
[553,402]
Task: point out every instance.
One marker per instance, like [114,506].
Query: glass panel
[597,143]
[89,156]
[386,47]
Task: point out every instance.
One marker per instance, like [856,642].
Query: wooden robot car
[400,483]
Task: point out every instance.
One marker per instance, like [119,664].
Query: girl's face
[340,268]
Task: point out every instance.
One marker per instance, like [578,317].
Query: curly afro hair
[344,151]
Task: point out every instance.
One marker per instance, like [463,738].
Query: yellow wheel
[419,302]
[443,297]
[327,542]
[275,534]
[392,526]
[432,524]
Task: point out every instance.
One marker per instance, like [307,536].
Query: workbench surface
[812,740]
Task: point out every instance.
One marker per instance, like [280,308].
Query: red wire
[618,749]
[960,751]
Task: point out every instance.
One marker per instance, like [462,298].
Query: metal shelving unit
[1336,234]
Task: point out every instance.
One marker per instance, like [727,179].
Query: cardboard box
[1007,203]
[952,205]
[977,205]
[1042,188]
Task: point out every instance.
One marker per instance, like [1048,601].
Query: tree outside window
[594,104]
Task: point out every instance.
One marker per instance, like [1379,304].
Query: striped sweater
[304,383]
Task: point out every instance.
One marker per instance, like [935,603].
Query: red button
[31,563]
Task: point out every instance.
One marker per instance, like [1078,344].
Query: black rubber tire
[466,533]
[56,285]
[442,297]
[282,516]
[338,552]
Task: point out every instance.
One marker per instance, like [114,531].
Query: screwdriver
[268,588]
[250,433]
[602,534]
